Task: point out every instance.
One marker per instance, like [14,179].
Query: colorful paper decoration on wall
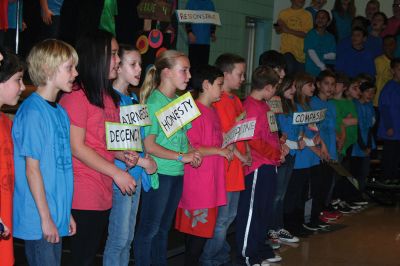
[142,44]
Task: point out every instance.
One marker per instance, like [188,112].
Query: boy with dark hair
[389,126]
[356,59]
[230,111]
[274,60]
[255,204]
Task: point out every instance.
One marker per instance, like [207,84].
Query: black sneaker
[344,209]
[322,224]
[311,226]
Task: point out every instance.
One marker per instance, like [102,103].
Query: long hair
[300,81]
[339,8]
[288,106]
[167,59]
[94,50]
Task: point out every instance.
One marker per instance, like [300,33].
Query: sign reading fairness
[177,114]
[198,16]
[241,131]
[135,114]
[122,137]
[302,118]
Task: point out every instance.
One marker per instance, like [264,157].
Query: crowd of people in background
[58,179]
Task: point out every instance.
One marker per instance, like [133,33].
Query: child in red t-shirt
[11,86]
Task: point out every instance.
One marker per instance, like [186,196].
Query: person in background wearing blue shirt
[50,11]
[365,141]
[389,125]
[199,35]
[357,58]
[42,156]
[319,45]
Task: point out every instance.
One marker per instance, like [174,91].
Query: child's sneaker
[273,239]
[277,258]
[333,215]
[285,236]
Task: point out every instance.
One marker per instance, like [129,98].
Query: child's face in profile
[269,92]
[214,90]
[354,91]
[289,93]
[235,79]
[339,88]
[64,78]
[308,89]
[367,95]
[327,86]
[130,67]
[11,89]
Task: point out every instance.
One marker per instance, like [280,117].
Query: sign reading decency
[135,114]
[198,16]
[302,118]
[177,114]
[122,137]
[243,130]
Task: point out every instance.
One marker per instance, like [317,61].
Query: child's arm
[285,29]
[266,149]
[350,121]
[207,151]
[35,181]
[148,164]
[154,149]
[95,161]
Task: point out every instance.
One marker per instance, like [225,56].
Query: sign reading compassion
[177,114]
[198,16]
[135,114]
[302,118]
[122,137]
[243,130]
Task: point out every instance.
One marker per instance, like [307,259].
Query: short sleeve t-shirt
[295,19]
[6,187]
[177,142]
[92,190]
[42,132]
[229,109]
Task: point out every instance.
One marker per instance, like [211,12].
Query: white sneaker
[285,236]
[258,264]
[277,258]
[264,263]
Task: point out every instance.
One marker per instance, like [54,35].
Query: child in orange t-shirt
[230,111]
[11,86]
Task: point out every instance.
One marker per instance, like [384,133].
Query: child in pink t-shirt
[203,187]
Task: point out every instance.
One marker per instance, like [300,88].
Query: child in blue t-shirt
[42,156]
[389,125]
[365,142]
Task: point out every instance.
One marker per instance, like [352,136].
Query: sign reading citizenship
[243,130]
[198,16]
[135,114]
[122,137]
[275,103]
[177,114]
[302,118]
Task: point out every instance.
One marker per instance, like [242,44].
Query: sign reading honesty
[243,130]
[198,16]
[275,103]
[135,114]
[302,118]
[122,137]
[177,114]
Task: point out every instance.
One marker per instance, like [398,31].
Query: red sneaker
[331,215]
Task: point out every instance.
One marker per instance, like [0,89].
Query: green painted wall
[231,36]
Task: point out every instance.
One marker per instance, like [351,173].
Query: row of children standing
[68,141]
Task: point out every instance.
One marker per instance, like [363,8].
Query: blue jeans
[121,227]
[282,182]
[216,250]
[156,216]
[42,253]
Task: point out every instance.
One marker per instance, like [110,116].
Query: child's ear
[206,84]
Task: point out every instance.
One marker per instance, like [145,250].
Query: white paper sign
[135,114]
[294,145]
[177,114]
[273,125]
[275,103]
[122,137]
[243,130]
[302,118]
[198,16]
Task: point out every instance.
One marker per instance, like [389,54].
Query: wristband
[180,157]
